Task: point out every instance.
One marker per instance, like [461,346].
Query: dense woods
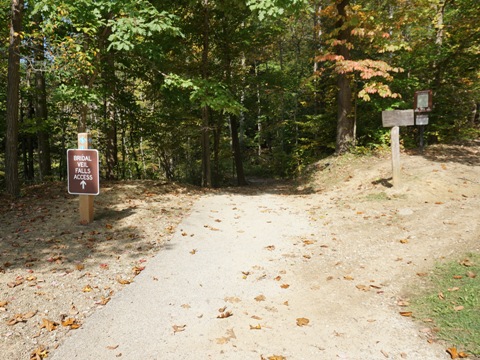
[211,92]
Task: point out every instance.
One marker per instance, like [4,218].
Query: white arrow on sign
[83,183]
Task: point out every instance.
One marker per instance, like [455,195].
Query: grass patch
[451,299]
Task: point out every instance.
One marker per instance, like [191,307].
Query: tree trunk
[13,100]
[345,120]
[41,114]
[237,154]
[206,168]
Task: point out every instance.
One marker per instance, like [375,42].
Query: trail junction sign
[83,172]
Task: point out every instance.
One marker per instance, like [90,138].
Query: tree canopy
[215,90]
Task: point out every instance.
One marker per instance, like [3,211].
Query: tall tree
[345,117]
[13,99]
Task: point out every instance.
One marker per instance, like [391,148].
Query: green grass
[453,303]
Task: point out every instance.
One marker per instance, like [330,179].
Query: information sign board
[393,118]
[83,172]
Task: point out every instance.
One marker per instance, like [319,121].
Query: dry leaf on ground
[260,298]
[225,315]
[49,325]
[302,322]
[178,328]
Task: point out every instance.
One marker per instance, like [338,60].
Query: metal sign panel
[398,118]
[421,119]
[423,101]
[83,172]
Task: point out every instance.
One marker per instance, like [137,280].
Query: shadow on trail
[261,186]
[467,153]
[42,228]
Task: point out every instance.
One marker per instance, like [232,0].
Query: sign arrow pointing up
[83,183]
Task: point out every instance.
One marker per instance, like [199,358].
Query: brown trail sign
[83,172]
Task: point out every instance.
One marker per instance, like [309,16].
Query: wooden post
[85,201]
[395,143]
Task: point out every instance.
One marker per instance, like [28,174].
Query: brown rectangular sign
[398,118]
[83,172]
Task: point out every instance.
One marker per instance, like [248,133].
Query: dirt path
[254,274]
[303,277]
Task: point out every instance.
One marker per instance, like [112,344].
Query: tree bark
[345,120]
[41,113]
[237,155]
[205,133]
[13,100]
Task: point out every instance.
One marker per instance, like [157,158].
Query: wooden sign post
[395,119]
[85,201]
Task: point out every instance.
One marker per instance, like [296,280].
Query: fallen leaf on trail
[222,309]
[403,303]
[385,353]
[18,281]
[3,304]
[103,301]
[18,318]
[80,267]
[193,251]
[441,296]
[453,353]
[458,308]
[260,298]
[467,263]
[278,278]
[406,313]
[113,347]
[274,357]
[348,277]
[422,274]
[458,277]
[232,299]
[329,278]
[256,327]
[307,256]
[363,287]
[123,281]
[87,288]
[404,241]
[49,325]
[270,247]
[284,286]
[39,353]
[471,275]
[109,226]
[255,317]
[456,288]
[438,203]
[71,323]
[463,355]
[178,328]
[224,315]
[186,306]
[218,220]
[308,242]
[137,269]
[302,322]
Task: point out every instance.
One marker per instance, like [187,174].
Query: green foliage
[136,70]
[275,8]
